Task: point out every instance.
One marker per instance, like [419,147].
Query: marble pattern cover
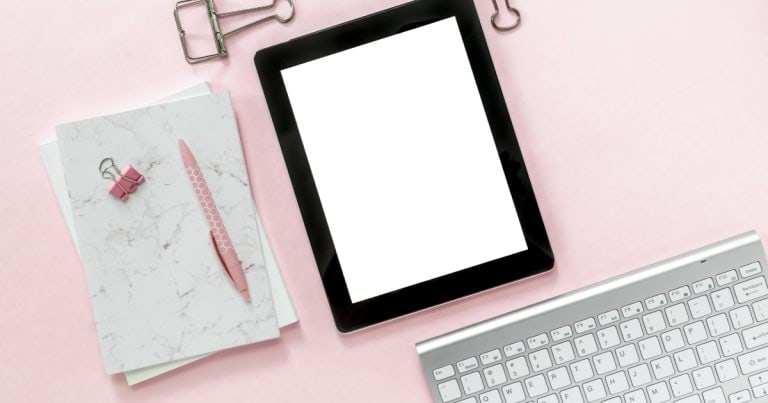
[157,289]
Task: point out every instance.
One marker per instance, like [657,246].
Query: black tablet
[404,161]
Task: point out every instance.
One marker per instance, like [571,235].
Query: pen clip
[221,258]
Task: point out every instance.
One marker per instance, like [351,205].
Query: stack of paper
[159,295]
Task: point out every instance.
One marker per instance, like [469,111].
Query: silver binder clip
[495,16]
[219,36]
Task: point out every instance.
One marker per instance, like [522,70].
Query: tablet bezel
[538,258]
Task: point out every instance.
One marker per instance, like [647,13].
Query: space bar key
[754,361]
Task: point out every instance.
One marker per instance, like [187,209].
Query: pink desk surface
[644,126]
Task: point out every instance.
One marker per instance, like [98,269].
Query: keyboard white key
[632,309]
[490,357]
[581,370]
[714,396]
[658,392]
[514,349]
[449,390]
[699,307]
[690,399]
[572,395]
[637,396]
[558,378]
[604,363]
[608,317]
[681,385]
[704,378]
[751,290]
[443,373]
[654,322]
[491,397]
[563,352]
[536,386]
[727,278]
[631,330]
[760,391]
[672,340]
[750,269]
[613,400]
[708,352]
[469,364]
[538,341]
[679,293]
[494,376]
[517,368]
[585,345]
[703,286]
[650,348]
[627,355]
[758,379]
[676,314]
[741,317]
[695,332]
[726,370]
[756,336]
[740,397]
[472,383]
[761,310]
[548,399]
[722,299]
[662,367]
[608,337]
[561,333]
[685,360]
[468,400]
[513,393]
[656,301]
[585,325]
[718,325]
[731,345]
[617,383]
[639,375]
[594,390]
[754,361]
[540,360]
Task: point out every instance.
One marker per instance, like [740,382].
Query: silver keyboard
[692,329]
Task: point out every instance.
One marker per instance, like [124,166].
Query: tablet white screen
[403,159]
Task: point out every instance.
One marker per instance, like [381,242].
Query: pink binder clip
[124,182]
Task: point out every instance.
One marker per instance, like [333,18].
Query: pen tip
[246,295]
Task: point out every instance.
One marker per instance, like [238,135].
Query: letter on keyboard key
[604,363]
[617,383]
[751,290]
[672,340]
[658,392]
[581,370]
[472,383]
[572,395]
[449,390]
[491,397]
[650,348]
[558,378]
[639,375]
[637,396]
[594,390]
[685,360]
[513,393]
[654,322]
[536,386]
[662,367]
[754,361]
[627,355]
[695,332]
[517,368]
[494,376]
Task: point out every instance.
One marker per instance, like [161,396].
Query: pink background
[644,126]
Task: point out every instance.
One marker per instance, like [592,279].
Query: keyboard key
[549,399]
[722,299]
[714,396]
[585,345]
[760,391]
[631,330]
[572,395]
[562,352]
[637,396]
[708,352]
[740,397]
[558,378]
[750,269]
[443,373]
[685,360]
[754,361]
[472,383]
[627,355]
[517,368]
[704,378]
[536,386]
[449,390]
[731,345]
[727,370]
[699,307]
[514,349]
[540,360]
[690,399]
[639,375]
[718,325]
[581,370]
[468,400]
[672,340]
[703,286]
[585,325]
[608,337]
[469,364]
[751,290]
[650,348]
[741,317]
[761,310]
[654,322]
[681,385]
[679,293]
[608,317]
[617,383]
[604,363]
[561,333]
[494,376]
[695,332]
[676,314]
[513,393]
[658,392]
[594,390]
[491,397]
[538,341]
[662,367]
[613,400]
[758,379]
[490,357]
[655,302]
[727,278]
[632,309]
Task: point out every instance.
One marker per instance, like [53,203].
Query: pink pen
[222,245]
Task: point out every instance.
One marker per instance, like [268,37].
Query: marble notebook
[286,314]
[157,290]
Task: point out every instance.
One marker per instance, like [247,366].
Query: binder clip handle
[495,16]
